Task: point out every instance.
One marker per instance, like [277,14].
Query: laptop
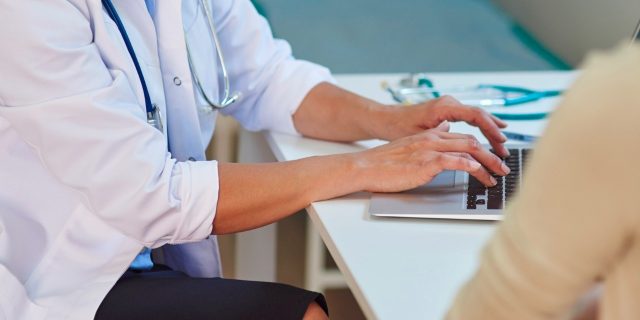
[456,194]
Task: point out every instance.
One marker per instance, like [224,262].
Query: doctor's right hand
[412,161]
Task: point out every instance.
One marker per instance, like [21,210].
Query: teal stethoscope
[417,88]
[154,116]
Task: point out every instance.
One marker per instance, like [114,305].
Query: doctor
[104,118]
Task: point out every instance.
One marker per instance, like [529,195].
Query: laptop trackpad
[446,179]
[441,195]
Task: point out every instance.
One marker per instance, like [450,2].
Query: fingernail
[504,138]
[505,169]
[493,181]
[507,153]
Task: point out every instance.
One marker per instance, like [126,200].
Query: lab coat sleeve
[84,122]
[576,216]
[272,82]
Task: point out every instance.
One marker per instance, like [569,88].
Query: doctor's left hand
[402,121]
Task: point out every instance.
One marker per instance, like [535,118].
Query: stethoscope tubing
[228,98]
[111,11]
[425,86]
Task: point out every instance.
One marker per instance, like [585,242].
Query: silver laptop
[455,194]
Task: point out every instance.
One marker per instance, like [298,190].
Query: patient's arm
[576,218]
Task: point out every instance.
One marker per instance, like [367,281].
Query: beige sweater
[577,219]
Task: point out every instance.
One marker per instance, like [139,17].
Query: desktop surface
[402,268]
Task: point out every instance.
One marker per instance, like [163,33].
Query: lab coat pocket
[14,300]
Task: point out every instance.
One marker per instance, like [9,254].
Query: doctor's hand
[400,121]
[329,112]
[412,161]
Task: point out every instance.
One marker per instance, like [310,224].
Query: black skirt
[166,294]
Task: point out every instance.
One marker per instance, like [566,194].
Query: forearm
[331,113]
[254,195]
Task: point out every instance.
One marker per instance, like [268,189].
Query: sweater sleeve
[570,223]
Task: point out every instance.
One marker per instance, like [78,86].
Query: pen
[520,136]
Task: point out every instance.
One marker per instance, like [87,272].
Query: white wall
[571,28]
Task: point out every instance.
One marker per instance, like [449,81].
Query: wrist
[380,120]
[338,175]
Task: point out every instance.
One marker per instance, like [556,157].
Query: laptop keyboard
[481,197]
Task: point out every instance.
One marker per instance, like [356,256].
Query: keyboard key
[475,187]
[494,203]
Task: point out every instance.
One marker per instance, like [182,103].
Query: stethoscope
[154,116]
[227,98]
[417,88]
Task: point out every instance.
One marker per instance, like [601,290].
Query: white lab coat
[85,182]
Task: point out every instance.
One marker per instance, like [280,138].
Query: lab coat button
[192,159]
[177,81]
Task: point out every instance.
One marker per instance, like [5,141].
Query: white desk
[404,268]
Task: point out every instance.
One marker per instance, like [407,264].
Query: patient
[576,223]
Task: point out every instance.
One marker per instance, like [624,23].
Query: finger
[481,119]
[481,174]
[443,126]
[501,123]
[499,149]
[453,162]
[473,147]
[454,135]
